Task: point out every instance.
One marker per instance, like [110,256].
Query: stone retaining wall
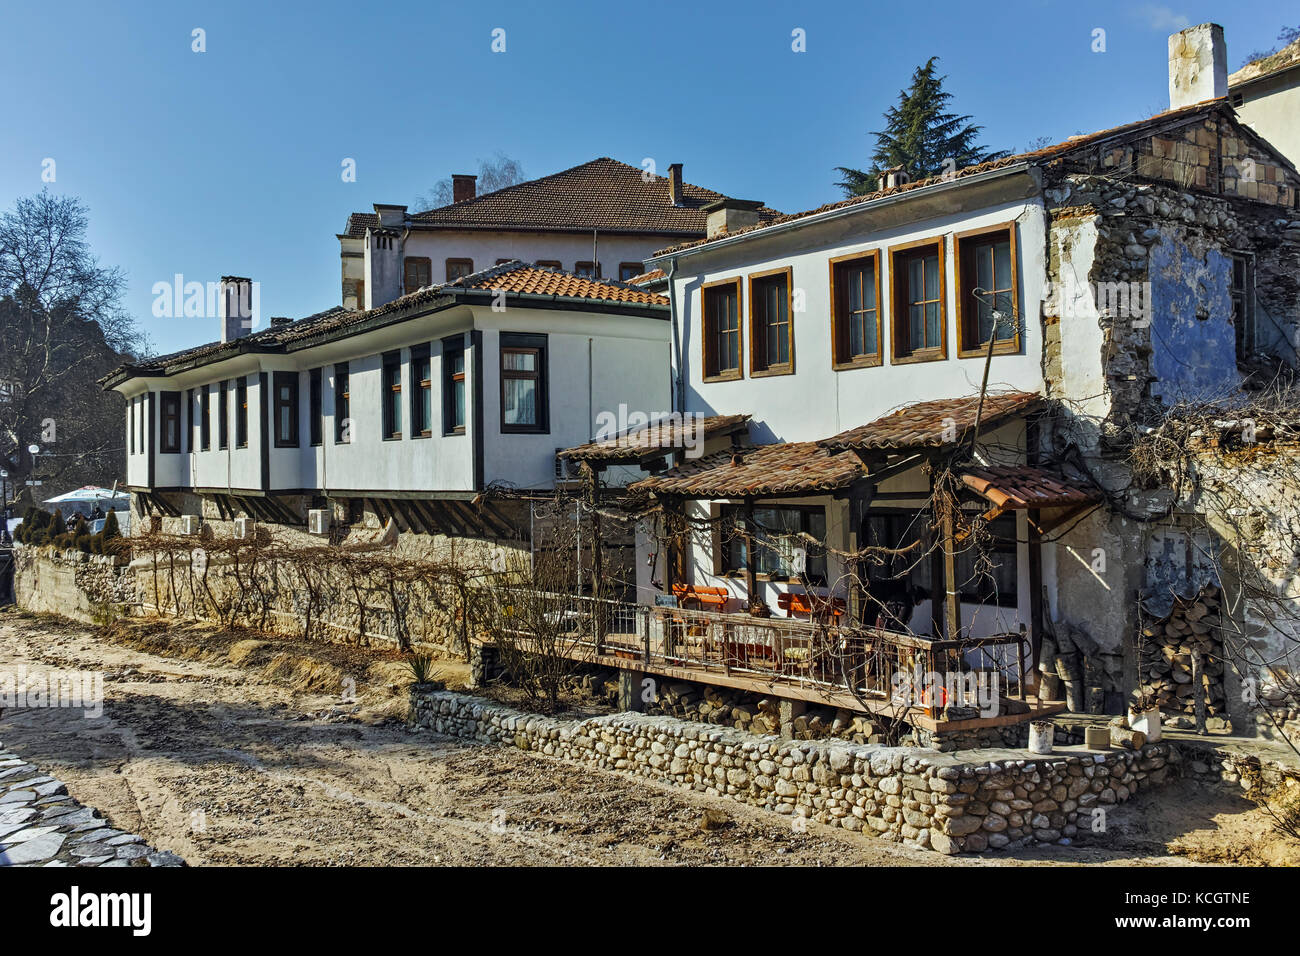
[910,795]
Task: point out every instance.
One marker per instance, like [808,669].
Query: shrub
[57,525]
[83,541]
[111,529]
[423,669]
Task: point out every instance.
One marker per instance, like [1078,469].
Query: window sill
[460,430]
[928,355]
[419,435]
[724,377]
[524,430]
[1011,347]
[870,361]
[283,444]
[772,372]
[393,437]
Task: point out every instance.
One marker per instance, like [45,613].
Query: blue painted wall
[1193,345]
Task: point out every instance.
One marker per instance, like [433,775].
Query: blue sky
[229,161]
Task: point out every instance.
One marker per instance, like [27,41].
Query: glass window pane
[1002,265]
[931,277]
[520,402]
[932,325]
[458,405]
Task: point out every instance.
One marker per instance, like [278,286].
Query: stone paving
[41,825]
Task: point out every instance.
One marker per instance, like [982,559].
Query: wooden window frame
[731,516]
[707,355]
[241,412]
[421,386]
[526,342]
[316,407]
[451,348]
[757,370]
[342,402]
[840,360]
[169,409]
[390,395]
[965,311]
[205,418]
[898,307]
[223,415]
[467,263]
[1250,326]
[407,287]
[637,268]
[290,379]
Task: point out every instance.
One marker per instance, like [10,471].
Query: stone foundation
[909,795]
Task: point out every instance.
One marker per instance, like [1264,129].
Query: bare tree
[493,174]
[61,328]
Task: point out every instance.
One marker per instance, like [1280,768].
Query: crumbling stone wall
[80,586]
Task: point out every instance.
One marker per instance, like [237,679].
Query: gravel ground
[223,765]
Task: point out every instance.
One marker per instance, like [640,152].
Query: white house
[598,219]
[434,397]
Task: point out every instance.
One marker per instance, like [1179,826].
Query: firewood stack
[1166,653]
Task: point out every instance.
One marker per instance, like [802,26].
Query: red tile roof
[1016,487]
[932,424]
[656,436]
[603,195]
[1047,153]
[757,471]
[358,222]
[514,278]
[654,275]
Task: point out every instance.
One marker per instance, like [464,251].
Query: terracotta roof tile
[656,436]
[603,194]
[759,471]
[512,277]
[654,275]
[931,424]
[1016,487]
[358,222]
[1047,153]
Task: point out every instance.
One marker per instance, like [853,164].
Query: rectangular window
[588,270]
[905,533]
[285,386]
[550,264]
[223,419]
[453,385]
[987,299]
[771,328]
[391,398]
[524,406]
[629,270]
[855,310]
[188,422]
[417,274]
[459,268]
[361,294]
[144,420]
[241,412]
[171,422]
[205,419]
[916,291]
[421,393]
[1243,303]
[317,407]
[342,405]
[721,310]
[779,540]
[130,423]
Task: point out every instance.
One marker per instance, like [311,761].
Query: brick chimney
[1198,65]
[675,183]
[238,307]
[463,186]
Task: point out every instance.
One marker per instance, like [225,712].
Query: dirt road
[223,765]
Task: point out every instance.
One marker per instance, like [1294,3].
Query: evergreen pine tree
[921,136]
[110,526]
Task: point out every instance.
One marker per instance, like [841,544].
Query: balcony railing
[867,662]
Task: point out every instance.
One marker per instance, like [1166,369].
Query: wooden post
[952,604]
[1035,593]
[599,615]
[751,578]
[936,570]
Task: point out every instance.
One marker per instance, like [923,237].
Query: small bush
[83,541]
[423,668]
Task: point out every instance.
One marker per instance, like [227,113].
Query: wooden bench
[714,599]
[811,605]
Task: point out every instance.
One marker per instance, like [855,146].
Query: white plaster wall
[1271,110]
[817,401]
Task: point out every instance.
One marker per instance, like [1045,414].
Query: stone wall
[908,795]
[70,583]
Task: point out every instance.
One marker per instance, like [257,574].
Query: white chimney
[237,307]
[1198,65]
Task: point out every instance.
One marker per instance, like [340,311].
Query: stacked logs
[1192,624]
